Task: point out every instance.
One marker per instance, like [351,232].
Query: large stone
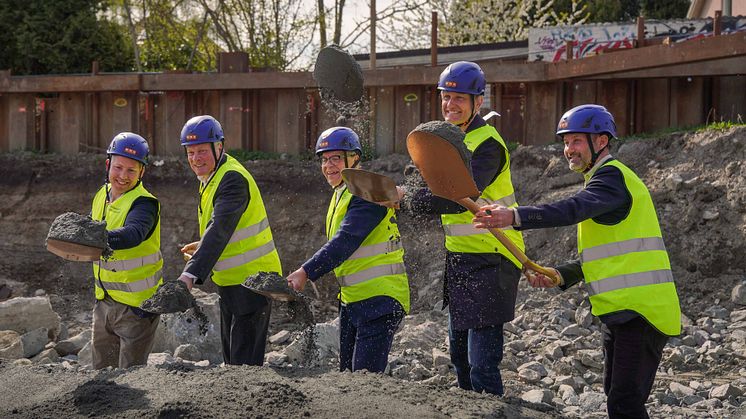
[188,352]
[591,401]
[160,358]
[738,295]
[73,345]
[24,314]
[280,337]
[10,344]
[680,390]
[46,356]
[566,392]
[440,358]
[737,316]
[592,358]
[725,391]
[197,326]
[34,341]
[537,396]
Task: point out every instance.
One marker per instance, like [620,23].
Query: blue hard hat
[130,145]
[201,129]
[589,119]
[462,77]
[338,138]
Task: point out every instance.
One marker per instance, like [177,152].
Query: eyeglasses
[335,159]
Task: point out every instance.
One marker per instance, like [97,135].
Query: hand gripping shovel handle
[512,248]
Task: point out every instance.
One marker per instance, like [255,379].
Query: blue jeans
[365,345]
[476,354]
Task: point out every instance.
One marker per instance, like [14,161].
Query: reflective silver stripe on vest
[137,286]
[130,264]
[622,248]
[630,280]
[376,249]
[466,230]
[370,273]
[245,258]
[505,201]
[249,231]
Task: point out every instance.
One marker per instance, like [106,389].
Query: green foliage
[628,10]
[720,126]
[40,37]
[483,21]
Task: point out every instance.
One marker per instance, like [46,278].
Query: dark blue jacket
[359,221]
[605,199]
[138,225]
[480,288]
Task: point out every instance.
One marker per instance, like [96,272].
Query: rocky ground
[553,361]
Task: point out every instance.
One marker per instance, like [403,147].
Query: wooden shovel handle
[512,248]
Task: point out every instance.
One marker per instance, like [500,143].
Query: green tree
[480,21]
[42,37]
[628,10]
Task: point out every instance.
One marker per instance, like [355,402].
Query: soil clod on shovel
[78,238]
[272,285]
[171,297]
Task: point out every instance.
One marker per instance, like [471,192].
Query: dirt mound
[233,391]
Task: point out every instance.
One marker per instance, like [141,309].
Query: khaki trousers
[120,337]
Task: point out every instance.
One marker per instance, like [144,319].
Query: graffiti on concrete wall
[550,43]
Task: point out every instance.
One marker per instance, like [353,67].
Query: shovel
[445,173]
[274,286]
[74,251]
[372,187]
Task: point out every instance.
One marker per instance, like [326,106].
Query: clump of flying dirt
[274,286]
[171,297]
[338,74]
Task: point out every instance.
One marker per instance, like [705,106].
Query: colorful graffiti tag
[550,44]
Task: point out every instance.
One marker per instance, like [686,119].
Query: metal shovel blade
[441,166]
[74,251]
[371,186]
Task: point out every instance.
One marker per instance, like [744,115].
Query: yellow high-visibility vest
[377,266]
[251,248]
[130,276]
[626,265]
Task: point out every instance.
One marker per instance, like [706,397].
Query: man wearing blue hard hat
[235,241]
[123,333]
[365,252]
[481,275]
[623,259]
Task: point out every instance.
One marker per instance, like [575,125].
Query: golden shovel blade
[372,187]
[74,251]
[441,166]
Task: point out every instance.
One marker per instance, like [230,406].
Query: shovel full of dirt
[372,187]
[78,238]
[438,150]
[272,285]
[170,297]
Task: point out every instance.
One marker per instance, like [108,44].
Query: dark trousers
[365,345]
[476,354]
[632,352]
[244,321]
